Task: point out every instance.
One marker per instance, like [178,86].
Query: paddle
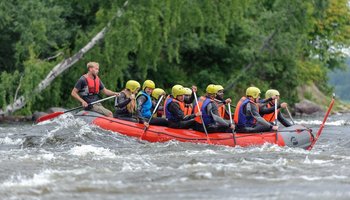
[231,121]
[276,119]
[199,109]
[56,114]
[290,116]
[154,111]
[322,125]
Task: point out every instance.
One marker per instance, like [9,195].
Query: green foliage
[267,43]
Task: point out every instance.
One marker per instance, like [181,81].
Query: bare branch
[63,65]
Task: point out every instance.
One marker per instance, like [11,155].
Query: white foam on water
[45,177]
[318,162]
[317,178]
[304,177]
[96,152]
[201,152]
[48,157]
[40,179]
[319,122]
[196,165]
[65,120]
[10,141]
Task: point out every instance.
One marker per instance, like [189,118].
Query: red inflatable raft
[294,136]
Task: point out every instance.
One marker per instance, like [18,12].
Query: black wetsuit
[265,110]
[180,120]
[261,124]
[155,120]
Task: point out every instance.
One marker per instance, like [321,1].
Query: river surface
[69,159]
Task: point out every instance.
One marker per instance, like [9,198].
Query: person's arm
[265,100]
[109,92]
[140,101]
[78,86]
[283,120]
[121,101]
[254,113]
[265,110]
[174,109]
[213,110]
[76,96]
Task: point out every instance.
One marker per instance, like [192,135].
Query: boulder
[36,115]
[307,107]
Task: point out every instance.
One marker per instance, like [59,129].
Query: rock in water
[307,107]
[37,115]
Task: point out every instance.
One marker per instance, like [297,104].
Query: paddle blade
[49,116]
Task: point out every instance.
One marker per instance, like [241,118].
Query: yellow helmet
[211,89]
[270,93]
[132,85]
[148,84]
[178,90]
[218,88]
[253,92]
[188,91]
[157,92]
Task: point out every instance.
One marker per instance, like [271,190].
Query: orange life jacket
[221,110]
[93,84]
[188,108]
[167,101]
[271,116]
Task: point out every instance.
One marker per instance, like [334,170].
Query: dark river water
[69,159]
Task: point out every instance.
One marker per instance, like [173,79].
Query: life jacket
[271,116]
[188,109]
[168,114]
[147,106]
[203,103]
[240,119]
[221,110]
[90,93]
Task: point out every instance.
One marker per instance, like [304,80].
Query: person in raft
[174,108]
[125,103]
[247,117]
[221,102]
[188,101]
[267,111]
[145,105]
[156,94]
[87,90]
[210,115]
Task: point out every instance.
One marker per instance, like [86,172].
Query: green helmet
[188,91]
[253,92]
[178,90]
[218,88]
[211,89]
[148,84]
[157,92]
[132,85]
[270,93]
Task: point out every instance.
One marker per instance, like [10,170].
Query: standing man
[87,90]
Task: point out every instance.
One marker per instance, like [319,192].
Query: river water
[69,159]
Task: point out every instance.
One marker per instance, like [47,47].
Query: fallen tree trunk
[61,67]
